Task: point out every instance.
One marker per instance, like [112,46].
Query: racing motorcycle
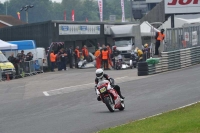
[109,96]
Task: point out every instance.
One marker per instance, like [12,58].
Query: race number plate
[102,90]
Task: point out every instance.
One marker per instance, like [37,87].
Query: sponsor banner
[70,29]
[123,14]
[182,6]
[100,4]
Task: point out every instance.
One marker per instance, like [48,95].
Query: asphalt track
[23,111]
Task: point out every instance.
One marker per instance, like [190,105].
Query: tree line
[45,10]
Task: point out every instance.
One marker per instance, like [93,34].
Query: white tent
[179,22]
[147,29]
[7,46]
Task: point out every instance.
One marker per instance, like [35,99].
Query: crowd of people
[66,56]
[21,57]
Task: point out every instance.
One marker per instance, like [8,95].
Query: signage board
[182,6]
[73,29]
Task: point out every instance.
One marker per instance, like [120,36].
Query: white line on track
[46,93]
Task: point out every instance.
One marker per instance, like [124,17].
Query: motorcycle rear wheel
[109,104]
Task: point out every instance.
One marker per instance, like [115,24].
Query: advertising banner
[70,29]
[123,14]
[100,4]
[182,6]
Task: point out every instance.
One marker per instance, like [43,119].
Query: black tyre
[122,106]
[142,64]
[142,73]
[109,104]
[144,68]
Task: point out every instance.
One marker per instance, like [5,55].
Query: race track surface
[69,103]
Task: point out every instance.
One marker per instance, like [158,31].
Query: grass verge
[185,120]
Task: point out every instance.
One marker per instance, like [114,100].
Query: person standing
[105,56]
[63,59]
[85,53]
[69,53]
[109,53]
[98,58]
[77,56]
[160,36]
[53,60]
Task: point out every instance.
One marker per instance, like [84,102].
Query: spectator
[139,53]
[70,53]
[63,56]
[15,62]
[11,58]
[29,56]
[77,56]
[53,60]
[21,56]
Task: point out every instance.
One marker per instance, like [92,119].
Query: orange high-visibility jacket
[97,53]
[77,53]
[85,52]
[105,55]
[52,57]
[160,36]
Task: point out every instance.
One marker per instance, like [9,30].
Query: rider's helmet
[99,73]
[114,47]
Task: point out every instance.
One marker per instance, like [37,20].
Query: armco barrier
[176,60]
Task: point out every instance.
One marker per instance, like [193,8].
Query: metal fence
[181,38]
[28,68]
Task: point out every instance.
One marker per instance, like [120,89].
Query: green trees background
[47,10]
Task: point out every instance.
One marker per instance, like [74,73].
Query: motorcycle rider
[101,75]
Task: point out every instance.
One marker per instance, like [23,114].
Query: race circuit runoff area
[65,102]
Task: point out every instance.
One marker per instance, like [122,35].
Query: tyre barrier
[176,60]
[142,68]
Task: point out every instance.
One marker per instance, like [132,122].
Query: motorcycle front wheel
[109,103]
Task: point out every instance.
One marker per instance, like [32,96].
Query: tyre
[142,64]
[142,73]
[144,68]
[110,105]
[122,106]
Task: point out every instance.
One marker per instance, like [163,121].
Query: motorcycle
[118,62]
[133,60]
[110,96]
[87,63]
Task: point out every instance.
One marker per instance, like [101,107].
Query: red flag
[18,15]
[65,16]
[86,20]
[73,18]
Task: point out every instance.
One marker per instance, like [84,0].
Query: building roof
[10,20]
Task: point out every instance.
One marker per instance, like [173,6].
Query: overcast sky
[52,0]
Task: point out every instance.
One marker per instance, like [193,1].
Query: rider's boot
[98,98]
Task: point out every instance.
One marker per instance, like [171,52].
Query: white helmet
[99,73]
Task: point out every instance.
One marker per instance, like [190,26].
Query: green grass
[185,120]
